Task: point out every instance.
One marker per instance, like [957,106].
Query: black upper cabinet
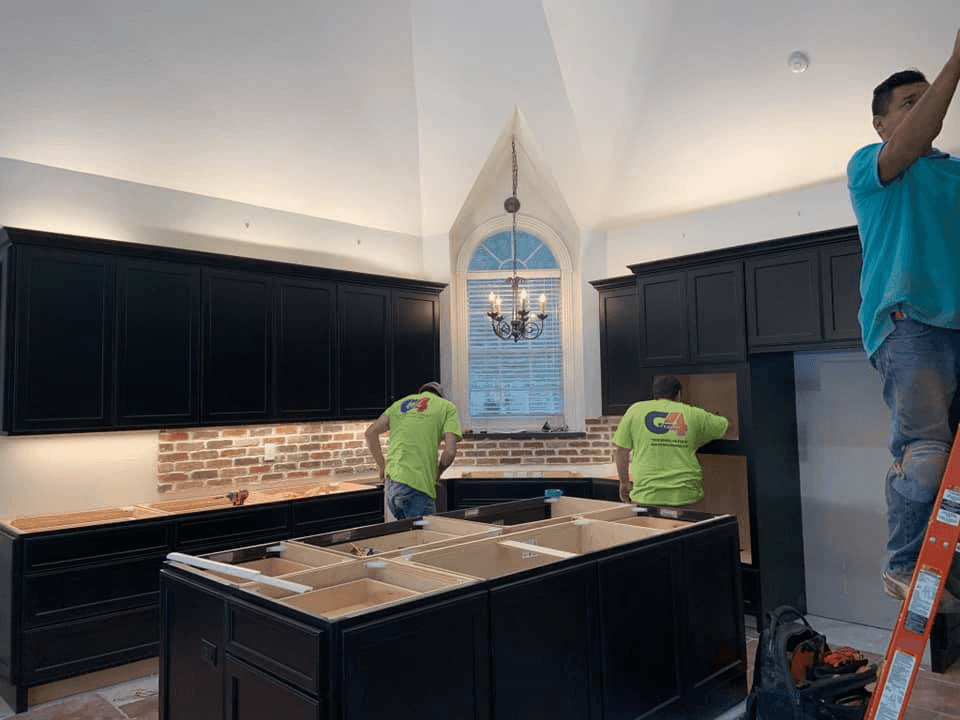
[61,355]
[619,344]
[840,266]
[716,313]
[98,335]
[664,334]
[783,300]
[416,341]
[236,331]
[305,327]
[158,336]
[365,339]
[693,315]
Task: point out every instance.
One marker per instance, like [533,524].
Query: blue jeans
[406,502]
[919,366]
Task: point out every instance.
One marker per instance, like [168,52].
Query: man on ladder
[906,195]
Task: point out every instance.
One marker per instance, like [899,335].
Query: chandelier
[521,324]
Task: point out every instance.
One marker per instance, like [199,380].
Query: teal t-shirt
[663,437]
[910,233]
[417,425]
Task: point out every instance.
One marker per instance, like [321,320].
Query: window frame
[570,328]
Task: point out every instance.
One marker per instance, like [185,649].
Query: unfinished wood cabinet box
[582,535]
[271,559]
[486,559]
[726,492]
[358,586]
[716,392]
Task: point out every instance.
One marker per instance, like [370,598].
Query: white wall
[843,431]
[75,472]
[819,207]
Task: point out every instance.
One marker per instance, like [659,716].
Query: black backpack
[796,676]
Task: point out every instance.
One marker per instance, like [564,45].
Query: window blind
[514,379]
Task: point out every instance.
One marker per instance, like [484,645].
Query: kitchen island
[545,607]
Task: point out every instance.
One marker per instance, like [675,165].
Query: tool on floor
[902,660]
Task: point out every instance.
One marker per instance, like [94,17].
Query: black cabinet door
[664,334]
[63,336]
[715,299]
[304,347]
[158,336]
[365,339]
[841,264]
[635,680]
[539,674]
[191,653]
[252,694]
[619,349]
[447,643]
[783,300]
[416,341]
[236,332]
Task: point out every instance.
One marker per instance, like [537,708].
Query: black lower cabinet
[252,693]
[545,662]
[640,678]
[193,638]
[77,600]
[426,664]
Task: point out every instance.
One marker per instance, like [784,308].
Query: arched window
[511,385]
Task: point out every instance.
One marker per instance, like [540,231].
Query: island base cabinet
[191,653]
[543,647]
[432,664]
[252,694]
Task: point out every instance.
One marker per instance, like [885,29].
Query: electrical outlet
[269,451]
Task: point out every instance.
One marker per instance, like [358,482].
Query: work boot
[896,584]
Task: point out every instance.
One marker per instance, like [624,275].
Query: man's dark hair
[666,387]
[883,91]
[433,386]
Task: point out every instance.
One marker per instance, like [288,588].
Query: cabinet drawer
[234,527]
[83,592]
[362,503]
[292,651]
[59,651]
[101,543]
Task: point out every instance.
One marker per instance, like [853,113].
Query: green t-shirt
[417,425]
[664,436]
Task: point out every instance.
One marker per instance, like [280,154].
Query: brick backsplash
[227,457]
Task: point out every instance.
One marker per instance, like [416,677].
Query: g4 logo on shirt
[418,404]
[670,421]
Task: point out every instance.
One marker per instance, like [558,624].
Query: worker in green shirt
[663,436]
[410,473]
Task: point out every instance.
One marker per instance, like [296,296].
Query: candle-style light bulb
[523,299]
[543,304]
[493,302]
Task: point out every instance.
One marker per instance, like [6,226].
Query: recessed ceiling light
[798,62]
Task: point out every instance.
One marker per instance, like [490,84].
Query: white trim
[572,324]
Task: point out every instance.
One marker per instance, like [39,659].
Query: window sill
[523,435]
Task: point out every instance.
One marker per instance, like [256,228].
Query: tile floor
[935,696]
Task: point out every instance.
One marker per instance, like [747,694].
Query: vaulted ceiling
[383,113]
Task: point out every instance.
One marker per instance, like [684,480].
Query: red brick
[204,434]
[234,432]
[297,474]
[544,452]
[554,460]
[271,476]
[188,446]
[521,453]
[204,455]
[218,482]
[174,436]
[196,465]
[259,468]
[285,429]
[203,474]
[319,473]
[343,436]
[165,447]
[261,431]
[218,463]
[234,472]
[172,457]
[172,477]
[510,461]
[247,461]
[216,444]
[232,452]
[323,455]
[333,446]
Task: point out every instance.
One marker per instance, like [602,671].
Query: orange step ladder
[902,660]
